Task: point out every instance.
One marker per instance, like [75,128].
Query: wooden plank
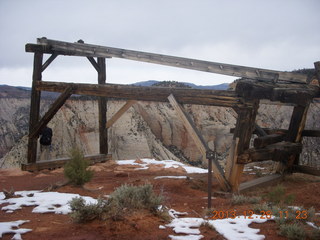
[270,152]
[260,132]
[49,61]
[244,128]
[260,182]
[34,107]
[300,94]
[264,141]
[102,105]
[94,63]
[199,141]
[317,68]
[51,112]
[305,133]
[58,163]
[306,169]
[89,50]
[294,134]
[232,158]
[158,94]
[119,113]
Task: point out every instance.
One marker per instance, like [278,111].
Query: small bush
[127,198]
[278,196]
[84,213]
[293,231]
[241,199]
[124,200]
[76,169]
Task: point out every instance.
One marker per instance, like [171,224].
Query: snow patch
[174,214]
[166,163]
[238,228]
[174,177]
[13,227]
[231,229]
[44,202]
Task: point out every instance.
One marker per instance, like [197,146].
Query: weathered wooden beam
[260,132]
[269,131]
[261,142]
[300,94]
[232,157]
[158,94]
[270,152]
[119,113]
[297,123]
[51,112]
[199,141]
[94,63]
[244,128]
[34,106]
[260,182]
[58,163]
[49,61]
[89,50]
[317,68]
[306,169]
[102,105]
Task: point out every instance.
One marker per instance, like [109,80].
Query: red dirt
[185,195]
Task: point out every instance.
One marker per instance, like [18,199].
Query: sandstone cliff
[145,130]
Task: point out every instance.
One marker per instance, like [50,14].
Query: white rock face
[146,130]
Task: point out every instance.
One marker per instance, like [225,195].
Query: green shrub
[293,231]
[278,196]
[127,198]
[84,213]
[241,199]
[76,169]
[124,200]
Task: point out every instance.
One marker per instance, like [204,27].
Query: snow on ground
[174,177]
[166,163]
[44,202]
[231,229]
[13,227]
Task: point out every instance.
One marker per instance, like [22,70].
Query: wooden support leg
[200,142]
[34,106]
[243,131]
[294,134]
[102,104]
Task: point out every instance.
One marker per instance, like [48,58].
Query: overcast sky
[272,34]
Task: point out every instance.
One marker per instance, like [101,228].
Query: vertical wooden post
[102,104]
[243,131]
[34,107]
[297,123]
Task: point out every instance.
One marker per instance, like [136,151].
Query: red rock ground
[185,195]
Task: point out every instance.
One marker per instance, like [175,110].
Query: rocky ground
[183,195]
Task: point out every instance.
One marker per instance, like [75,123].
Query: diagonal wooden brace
[200,142]
[51,112]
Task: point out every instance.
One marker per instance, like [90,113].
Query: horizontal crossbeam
[158,94]
[88,50]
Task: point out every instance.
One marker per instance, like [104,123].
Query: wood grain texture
[34,107]
[89,50]
[157,94]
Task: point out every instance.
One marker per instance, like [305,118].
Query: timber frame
[280,145]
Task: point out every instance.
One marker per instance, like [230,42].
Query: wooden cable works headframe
[283,146]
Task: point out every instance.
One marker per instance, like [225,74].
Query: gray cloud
[274,34]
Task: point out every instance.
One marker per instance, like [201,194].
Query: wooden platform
[260,182]
[58,163]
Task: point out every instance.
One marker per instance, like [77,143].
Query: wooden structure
[283,146]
